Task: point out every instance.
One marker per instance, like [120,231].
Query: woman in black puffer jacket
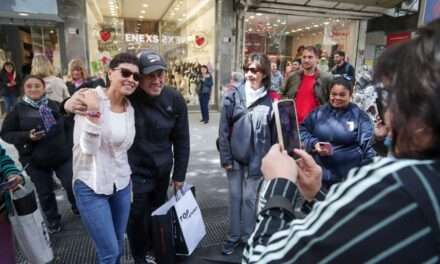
[37,130]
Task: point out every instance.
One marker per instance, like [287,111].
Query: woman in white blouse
[101,173]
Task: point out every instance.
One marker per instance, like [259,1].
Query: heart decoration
[200,40]
[105,35]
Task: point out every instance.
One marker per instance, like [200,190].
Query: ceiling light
[337,20]
[299,29]
[267,24]
[283,23]
[141,16]
[316,25]
[326,23]
[251,17]
[307,28]
[176,8]
[23,14]
[143,11]
[246,20]
[275,25]
[145,5]
[259,14]
[278,20]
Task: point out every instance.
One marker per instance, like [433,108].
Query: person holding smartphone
[246,133]
[10,178]
[37,130]
[338,134]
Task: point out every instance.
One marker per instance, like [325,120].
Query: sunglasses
[126,73]
[253,70]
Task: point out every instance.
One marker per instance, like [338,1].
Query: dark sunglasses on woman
[253,70]
[126,73]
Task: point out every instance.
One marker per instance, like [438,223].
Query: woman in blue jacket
[339,134]
[206,83]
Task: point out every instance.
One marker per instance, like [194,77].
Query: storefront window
[281,37]
[188,41]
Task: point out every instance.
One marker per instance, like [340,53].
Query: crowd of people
[117,146]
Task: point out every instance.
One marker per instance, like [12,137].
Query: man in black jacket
[161,145]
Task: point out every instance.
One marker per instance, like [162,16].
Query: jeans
[105,218]
[242,199]
[139,227]
[42,178]
[9,102]
[204,105]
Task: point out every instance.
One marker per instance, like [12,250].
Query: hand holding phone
[36,135]
[10,184]
[287,125]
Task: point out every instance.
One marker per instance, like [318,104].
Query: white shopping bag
[29,227]
[190,220]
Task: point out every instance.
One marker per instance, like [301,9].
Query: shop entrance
[19,43]
[282,37]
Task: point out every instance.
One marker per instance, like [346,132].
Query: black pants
[42,178]
[139,224]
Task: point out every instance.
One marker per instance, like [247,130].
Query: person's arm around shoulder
[181,142]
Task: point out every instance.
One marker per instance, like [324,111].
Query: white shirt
[253,95]
[100,151]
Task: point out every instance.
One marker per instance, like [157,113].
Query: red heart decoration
[105,35]
[200,40]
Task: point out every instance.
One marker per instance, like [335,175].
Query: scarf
[253,95]
[44,110]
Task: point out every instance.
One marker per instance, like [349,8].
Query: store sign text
[155,39]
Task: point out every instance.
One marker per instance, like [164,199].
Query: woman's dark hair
[347,84]
[263,63]
[411,74]
[32,77]
[10,64]
[123,57]
[206,67]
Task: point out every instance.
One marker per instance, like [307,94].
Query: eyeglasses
[126,73]
[253,70]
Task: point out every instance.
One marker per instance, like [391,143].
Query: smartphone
[327,146]
[286,122]
[6,185]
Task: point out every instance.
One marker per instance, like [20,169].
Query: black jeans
[139,224]
[42,178]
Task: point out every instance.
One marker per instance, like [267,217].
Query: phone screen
[289,126]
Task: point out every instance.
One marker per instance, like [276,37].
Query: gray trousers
[242,203]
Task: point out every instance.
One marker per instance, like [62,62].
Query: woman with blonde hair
[78,78]
[56,89]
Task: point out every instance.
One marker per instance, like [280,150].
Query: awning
[351,9]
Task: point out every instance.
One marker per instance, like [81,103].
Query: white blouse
[100,150]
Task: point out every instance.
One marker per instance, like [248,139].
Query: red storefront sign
[394,38]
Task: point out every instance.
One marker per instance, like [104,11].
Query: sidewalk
[73,244]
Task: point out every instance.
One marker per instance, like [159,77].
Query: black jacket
[89,83]
[51,150]
[162,136]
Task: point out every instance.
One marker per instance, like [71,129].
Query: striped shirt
[373,216]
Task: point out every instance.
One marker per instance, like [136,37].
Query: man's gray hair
[237,77]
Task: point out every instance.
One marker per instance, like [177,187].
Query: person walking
[37,130]
[245,135]
[56,89]
[206,83]
[276,78]
[101,172]
[9,85]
